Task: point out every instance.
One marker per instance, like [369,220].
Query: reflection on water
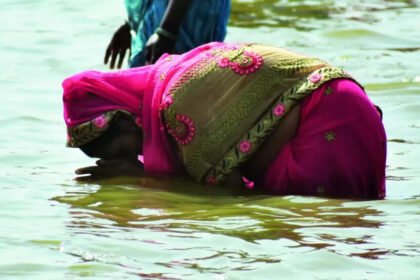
[251,218]
[201,233]
[305,15]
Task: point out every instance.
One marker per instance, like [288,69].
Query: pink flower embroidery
[315,78]
[100,121]
[248,183]
[211,180]
[167,101]
[224,62]
[245,146]
[249,63]
[138,121]
[279,110]
[184,131]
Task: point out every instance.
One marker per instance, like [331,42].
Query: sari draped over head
[91,99]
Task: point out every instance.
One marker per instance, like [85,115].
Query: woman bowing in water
[290,123]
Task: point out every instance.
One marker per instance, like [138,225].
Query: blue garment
[205,22]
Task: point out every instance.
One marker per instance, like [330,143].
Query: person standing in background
[155,27]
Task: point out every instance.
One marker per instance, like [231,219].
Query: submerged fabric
[339,149]
[205,22]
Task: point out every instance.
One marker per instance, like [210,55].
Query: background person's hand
[117,48]
[156,46]
[105,169]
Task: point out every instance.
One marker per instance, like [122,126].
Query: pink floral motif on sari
[139,122]
[224,62]
[248,63]
[279,110]
[100,121]
[184,130]
[211,180]
[167,101]
[315,78]
[245,146]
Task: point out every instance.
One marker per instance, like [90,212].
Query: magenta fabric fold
[89,94]
[158,156]
[339,149]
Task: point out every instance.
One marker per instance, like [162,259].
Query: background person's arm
[118,46]
[164,38]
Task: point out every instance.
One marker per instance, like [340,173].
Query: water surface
[55,228]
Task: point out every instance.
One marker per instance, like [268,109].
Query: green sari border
[265,126]
[83,133]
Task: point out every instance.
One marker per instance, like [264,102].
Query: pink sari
[339,149]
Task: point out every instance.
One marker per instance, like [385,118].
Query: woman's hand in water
[105,169]
[117,48]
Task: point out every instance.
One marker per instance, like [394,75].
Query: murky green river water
[54,228]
